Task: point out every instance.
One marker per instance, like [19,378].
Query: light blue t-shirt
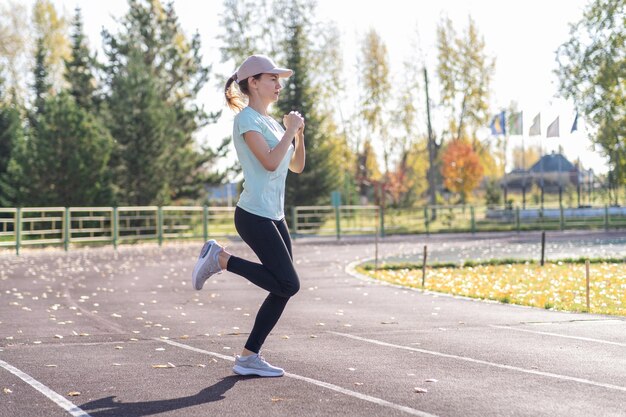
[263,191]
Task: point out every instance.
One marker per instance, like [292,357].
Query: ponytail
[236,97]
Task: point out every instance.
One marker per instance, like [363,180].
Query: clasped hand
[294,120]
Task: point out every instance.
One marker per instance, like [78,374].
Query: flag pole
[541,168]
[524,172]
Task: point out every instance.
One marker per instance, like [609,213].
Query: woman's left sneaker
[255,365]
[207,264]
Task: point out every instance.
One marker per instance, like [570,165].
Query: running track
[94,332]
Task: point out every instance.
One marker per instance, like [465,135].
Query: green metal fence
[63,226]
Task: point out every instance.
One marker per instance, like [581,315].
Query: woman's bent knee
[293,289]
[291,286]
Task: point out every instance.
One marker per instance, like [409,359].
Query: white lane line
[57,398]
[496,365]
[375,400]
[588,339]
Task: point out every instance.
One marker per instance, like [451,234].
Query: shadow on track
[108,407]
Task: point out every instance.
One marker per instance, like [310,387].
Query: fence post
[160,224]
[473,219]
[424,265]
[426,220]
[294,220]
[205,222]
[587,285]
[115,227]
[517,222]
[543,247]
[381,211]
[337,223]
[606,217]
[18,230]
[66,229]
[562,218]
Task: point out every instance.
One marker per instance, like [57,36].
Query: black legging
[271,242]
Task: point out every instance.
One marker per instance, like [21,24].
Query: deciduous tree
[592,72]
[460,168]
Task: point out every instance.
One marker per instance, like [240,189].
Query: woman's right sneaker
[255,365]
[207,264]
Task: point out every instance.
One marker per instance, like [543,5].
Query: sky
[522,36]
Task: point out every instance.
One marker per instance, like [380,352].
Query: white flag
[553,129]
[535,128]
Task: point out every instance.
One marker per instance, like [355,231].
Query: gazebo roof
[554,162]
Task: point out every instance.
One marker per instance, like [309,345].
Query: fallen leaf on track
[420,390]
[162,366]
[73,393]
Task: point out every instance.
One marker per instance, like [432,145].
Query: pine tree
[177,75]
[41,86]
[51,27]
[71,148]
[78,69]
[141,123]
[11,134]
[322,173]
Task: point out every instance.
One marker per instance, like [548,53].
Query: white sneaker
[255,365]
[207,264]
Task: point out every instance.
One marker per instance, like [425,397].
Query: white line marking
[57,398]
[375,400]
[496,365]
[588,339]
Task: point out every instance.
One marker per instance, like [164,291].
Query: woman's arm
[299,156]
[271,158]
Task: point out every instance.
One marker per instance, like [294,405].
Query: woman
[266,151]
